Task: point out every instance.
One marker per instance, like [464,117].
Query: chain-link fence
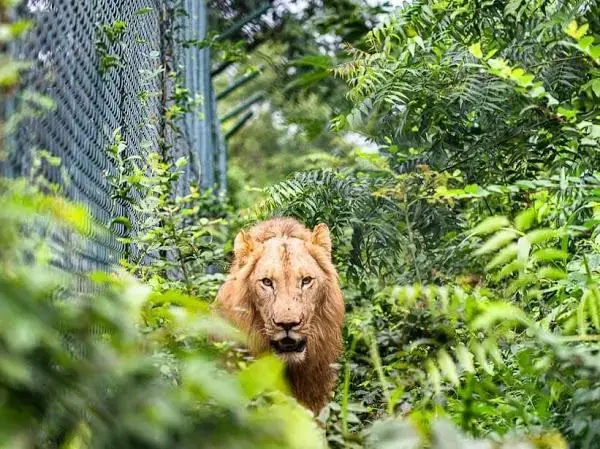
[106,65]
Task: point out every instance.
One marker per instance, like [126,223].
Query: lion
[283,292]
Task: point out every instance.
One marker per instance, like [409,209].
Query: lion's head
[284,292]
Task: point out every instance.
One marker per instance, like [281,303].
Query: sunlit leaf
[496,242]
[465,358]
[592,303]
[448,367]
[481,358]
[551,273]
[489,225]
[525,219]
[475,50]
[505,255]
[509,269]
[499,312]
[267,373]
[549,255]
[434,376]
[538,236]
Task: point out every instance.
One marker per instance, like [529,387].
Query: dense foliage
[467,244]
[479,110]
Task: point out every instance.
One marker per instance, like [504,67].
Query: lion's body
[285,251]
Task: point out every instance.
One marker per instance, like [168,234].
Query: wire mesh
[89,104]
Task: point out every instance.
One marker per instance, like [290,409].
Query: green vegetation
[109,39]
[467,245]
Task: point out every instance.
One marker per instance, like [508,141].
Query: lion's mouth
[288,344]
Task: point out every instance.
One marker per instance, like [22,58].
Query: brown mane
[312,380]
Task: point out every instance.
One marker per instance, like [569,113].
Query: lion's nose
[287,325]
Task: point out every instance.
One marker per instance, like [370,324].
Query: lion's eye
[307,280]
[267,282]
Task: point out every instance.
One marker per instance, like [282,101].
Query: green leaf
[592,302]
[200,374]
[536,92]
[265,374]
[507,254]
[525,219]
[499,312]
[434,376]
[481,358]
[582,30]
[321,61]
[567,113]
[126,222]
[475,50]
[465,358]
[523,280]
[307,79]
[490,53]
[496,242]
[490,224]
[543,235]
[491,347]
[585,42]
[551,273]
[549,255]
[510,269]
[448,367]
[143,11]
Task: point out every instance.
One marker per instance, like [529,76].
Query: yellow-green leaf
[543,235]
[448,367]
[592,303]
[267,373]
[475,50]
[522,281]
[509,269]
[549,255]
[479,352]
[572,29]
[552,273]
[496,242]
[491,346]
[525,219]
[489,225]
[434,376]
[582,30]
[507,254]
[499,312]
[577,32]
[465,358]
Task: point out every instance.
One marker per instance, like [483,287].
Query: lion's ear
[321,237]
[242,246]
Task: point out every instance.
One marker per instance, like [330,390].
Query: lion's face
[288,286]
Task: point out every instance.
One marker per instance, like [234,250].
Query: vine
[173,242]
[109,38]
